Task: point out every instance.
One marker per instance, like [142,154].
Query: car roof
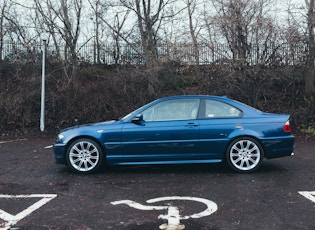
[194,96]
[220,98]
[244,107]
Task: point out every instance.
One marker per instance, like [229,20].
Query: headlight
[60,136]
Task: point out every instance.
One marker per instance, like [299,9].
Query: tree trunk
[309,76]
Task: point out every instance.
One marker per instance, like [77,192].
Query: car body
[179,130]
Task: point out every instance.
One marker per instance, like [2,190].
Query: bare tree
[309,77]
[117,33]
[115,22]
[150,15]
[2,25]
[97,11]
[16,29]
[63,17]
[191,8]
[46,20]
[245,25]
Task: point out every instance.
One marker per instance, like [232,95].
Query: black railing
[283,54]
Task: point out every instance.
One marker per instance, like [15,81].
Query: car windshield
[129,115]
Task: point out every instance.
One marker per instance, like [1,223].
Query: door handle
[191,124]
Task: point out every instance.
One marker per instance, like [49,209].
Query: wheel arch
[87,137]
[242,160]
[243,136]
[86,158]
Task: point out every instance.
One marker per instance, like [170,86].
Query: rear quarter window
[218,109]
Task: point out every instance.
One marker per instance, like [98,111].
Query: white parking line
[4,142]
[10,219]
[308,195]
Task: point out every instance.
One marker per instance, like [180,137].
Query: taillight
[287,127]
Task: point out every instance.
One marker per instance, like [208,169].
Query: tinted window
[215,109]
[178,109]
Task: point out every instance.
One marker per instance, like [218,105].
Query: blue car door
[169,131]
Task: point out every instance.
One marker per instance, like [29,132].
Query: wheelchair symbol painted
[173,215]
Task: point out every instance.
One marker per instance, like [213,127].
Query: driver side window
[171,110]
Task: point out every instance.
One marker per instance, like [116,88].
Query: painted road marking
[172,216]
[308,195]
[10,219]
[4,142]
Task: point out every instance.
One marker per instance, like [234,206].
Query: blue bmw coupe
[179,130]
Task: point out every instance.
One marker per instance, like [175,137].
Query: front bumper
[59,151]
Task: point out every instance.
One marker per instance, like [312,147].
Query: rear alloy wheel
[84,156]
[244,155]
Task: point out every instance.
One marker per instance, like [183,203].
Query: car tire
[244,154]
[84,156]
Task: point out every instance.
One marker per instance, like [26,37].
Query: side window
[217,109]
[177,109]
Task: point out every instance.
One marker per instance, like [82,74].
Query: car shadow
[157,169]
[272,167]
[215,168]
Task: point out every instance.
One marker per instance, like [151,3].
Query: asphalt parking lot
[36,194]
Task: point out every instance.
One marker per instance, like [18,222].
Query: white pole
[42,110]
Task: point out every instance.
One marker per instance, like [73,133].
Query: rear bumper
[279,147]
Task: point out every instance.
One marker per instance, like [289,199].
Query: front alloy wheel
[84,156]
[244,155]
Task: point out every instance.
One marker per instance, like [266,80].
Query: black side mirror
[137,119]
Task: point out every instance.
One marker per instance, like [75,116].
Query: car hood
[91,125]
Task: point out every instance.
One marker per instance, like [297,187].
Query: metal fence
[283,54]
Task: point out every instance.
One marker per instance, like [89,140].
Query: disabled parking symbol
[173,217]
